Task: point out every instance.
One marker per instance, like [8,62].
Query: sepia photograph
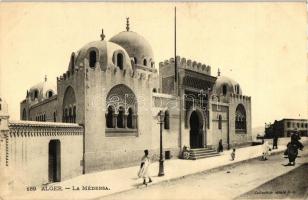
[153,100]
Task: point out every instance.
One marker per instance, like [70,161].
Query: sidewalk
[124,179]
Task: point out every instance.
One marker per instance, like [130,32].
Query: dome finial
[102,35]
[45,78]
[127,23]
[218,72]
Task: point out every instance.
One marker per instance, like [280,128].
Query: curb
[206,171]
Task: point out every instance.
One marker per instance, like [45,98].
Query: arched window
[167,120]
[54,116]
[145,62]
[68,100]
[66,115]
[237,89]
[63,115]
[35,94]
[130,118]
[92,57]
[24,114]
[70,117]
[73,62]
[109,117]
[74,114]
[224,90]
[122,98]
[240,118]
[135,60]
[154,90]
[49,94]
[120,60]
[120,118]
[219,122]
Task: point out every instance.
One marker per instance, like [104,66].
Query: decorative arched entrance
[196,130]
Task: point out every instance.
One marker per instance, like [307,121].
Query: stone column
[134,121]
[125,121]
[115,124]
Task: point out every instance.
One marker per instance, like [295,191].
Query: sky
[260,45]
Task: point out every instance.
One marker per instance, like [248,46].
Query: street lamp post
[161,159]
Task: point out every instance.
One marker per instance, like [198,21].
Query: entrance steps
[202,153]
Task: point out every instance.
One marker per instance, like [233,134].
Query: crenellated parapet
[130,73]
[71,73]
[239,97]
[188,64]
[110,69]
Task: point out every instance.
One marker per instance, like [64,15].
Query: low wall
[28,150]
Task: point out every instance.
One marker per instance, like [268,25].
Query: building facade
[113,93]
[284,128]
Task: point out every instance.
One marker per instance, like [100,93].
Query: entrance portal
[54,161]
[196,130]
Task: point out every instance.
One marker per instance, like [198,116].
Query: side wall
[170,137]
[103,151]
[219,109]
[74,79]
[240,138]
[27,146]
[47,108]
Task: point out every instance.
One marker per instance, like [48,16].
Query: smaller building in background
[284,128]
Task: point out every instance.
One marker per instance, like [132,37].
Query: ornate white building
[103,111]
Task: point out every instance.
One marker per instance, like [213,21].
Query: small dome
[107,53]
[136,46]
[225,85]
[42,90]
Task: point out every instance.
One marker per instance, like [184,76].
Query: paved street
[251,179]
[293,185]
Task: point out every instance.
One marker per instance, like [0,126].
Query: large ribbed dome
[135,45]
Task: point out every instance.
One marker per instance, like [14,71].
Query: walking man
[144,167]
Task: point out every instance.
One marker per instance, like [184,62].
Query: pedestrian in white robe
[265,150]
[144,167]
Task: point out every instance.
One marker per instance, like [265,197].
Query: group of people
[291,152]
[292,148]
